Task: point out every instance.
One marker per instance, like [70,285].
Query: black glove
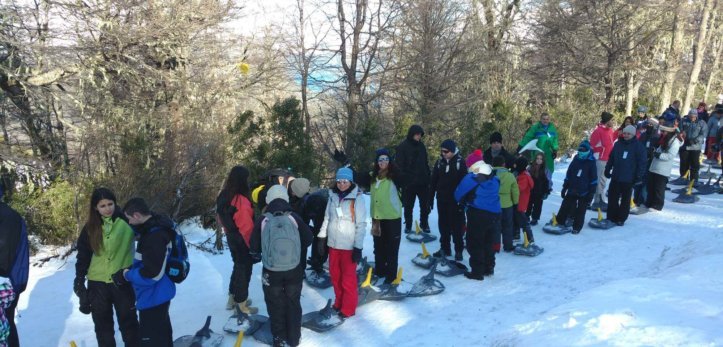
[356,255]
[518,149]
[321,247]
[340,156]
[608,174]
[82,293]
[563,193]
[554,154]
[118,278]
[255,258]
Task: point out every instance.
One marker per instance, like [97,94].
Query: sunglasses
[444,151]
[343,181]
[383,159]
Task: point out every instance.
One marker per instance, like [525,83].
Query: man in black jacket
[411,158]
[282,289]
[448,171]
[625,168]
[14,260]
[496,149]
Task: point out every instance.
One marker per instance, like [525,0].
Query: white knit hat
[481,167]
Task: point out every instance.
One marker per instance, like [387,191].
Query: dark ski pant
[155,326]
[482,226]
[640,193]
[106,297]
[242,268]
[342,271]
[386,249]
[451,223]
[534,209]
[573,207]
[619,195]
[523,222]
[507,221]
[317,261]
[689,160]
[409,194]
[282,293]
[656,190]
[13,340]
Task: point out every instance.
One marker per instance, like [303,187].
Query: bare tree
[701,43]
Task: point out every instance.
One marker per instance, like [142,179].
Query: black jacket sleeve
[85,254]
[305,234]
[255,240]
[434,179]
[225,213]
[155,246]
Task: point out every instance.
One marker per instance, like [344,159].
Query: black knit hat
[496,137]
[449,145]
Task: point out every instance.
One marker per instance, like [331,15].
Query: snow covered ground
[656,281]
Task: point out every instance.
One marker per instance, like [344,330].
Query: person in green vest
[509,197]
[546,135]
[106,245]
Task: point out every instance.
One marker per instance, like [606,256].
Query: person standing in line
[525,184]
[448,171]
[541,189]
[625,168]
[509,197]
[105,246]
[578,188]
[154,289]
[713,126]
[411,158]
[602,140]
[695,131]
[14,267]
[668,146]
[497,149]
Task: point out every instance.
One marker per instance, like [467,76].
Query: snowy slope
[655,281]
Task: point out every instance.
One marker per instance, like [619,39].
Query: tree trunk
[630,92]
[698,56]
[714,69]
[672,63]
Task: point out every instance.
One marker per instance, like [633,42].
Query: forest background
[160,98]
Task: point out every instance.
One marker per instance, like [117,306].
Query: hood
[414,129]
[278,205]
[157,221]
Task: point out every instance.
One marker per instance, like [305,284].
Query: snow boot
[440,254]
[458,256]
[533,222]
[474,276]
[230,303]
[407,230]
[245,308]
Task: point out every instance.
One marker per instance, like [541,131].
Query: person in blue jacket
[14,265]
[626,166]
[154,289]
[578,188]
[479,192]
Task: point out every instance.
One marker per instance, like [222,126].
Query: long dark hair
[236,183]
[94,224]
[537,169]
[392,170]
[622,126]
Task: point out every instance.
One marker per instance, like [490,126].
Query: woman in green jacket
[386,212]
[105,245]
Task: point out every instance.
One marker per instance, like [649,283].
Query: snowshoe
[604,224]
[532,250]
[707,174]
[679,190]
[203,338]
[263,333]
[686,198]
[603,206]
[708,188]
[361,270]
[427,285]
[424,259]
[556,229]
[323,320]
[317,279]
[243,322]
[449,268]
[367,292]
[391,291]
[638,210]
[680,181]
[420,236]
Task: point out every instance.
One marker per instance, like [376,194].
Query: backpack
[177,264]
[280,242]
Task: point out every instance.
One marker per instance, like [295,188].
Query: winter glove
[82,293]
[554,154]
[563,193]
[608,174]
[340,157]
[119,279]
[321,247]
[356,255]
[255,258]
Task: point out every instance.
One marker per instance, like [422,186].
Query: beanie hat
[605,117]
[521,164]
[718,107]
[584,146]
[669,116]
[629,130]
[474,157]
[380,152]
[693,112]
[277,191]
[642,109]
[496,137]
[300,187]
[668,126]
[345,173]
[481,167]
[449,145]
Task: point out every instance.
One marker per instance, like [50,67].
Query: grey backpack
[280,242]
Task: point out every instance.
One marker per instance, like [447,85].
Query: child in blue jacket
[578,188]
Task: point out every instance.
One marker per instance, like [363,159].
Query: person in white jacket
[343,230]
[664,155]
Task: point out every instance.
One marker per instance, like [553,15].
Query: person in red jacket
[602,139]
[236,215]
[525,183]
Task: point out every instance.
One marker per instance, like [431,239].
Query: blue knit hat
[380,152]
[584,146]
[449,145]
[345,173]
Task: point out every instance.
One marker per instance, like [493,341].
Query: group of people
[486,202]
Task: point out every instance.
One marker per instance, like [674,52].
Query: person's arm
[84,255]
[225,212]
[642,164]
[529,136]
[553,132]
[304,232]
[327,216]
[701,135]
[255,241]
[515,192]
[611,162]
[672,151]
[463,188]
[360,210]
[434,179]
